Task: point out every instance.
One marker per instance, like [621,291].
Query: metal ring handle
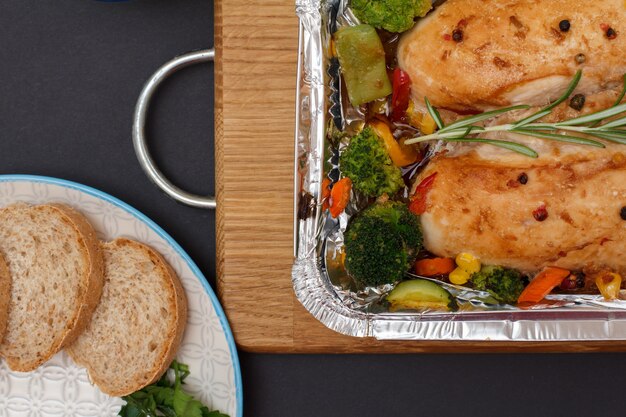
[139,126]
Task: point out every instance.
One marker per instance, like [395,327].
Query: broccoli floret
[504,284]
[366,162]
[391,15]
[381,243]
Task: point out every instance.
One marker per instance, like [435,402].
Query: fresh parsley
[166,398]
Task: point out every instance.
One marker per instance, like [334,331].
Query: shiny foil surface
[319,278]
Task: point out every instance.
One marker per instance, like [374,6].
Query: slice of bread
[56,266]
[139,323]
[5,296]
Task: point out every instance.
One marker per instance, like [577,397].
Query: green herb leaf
[614,123]
[558,137]
[593,117]
[434,113]
[512,146]
[534,117]
[621,139]
[548,109]
[166,398]
[480,117]
[623,93]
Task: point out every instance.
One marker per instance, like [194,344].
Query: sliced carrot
[542,284]
[434,266]
[340,196]
[325,193]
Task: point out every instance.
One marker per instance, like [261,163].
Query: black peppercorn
[580,58]
[611,33]
[523,178]
[564,25]
[622,213]
[577,102]
[457,35]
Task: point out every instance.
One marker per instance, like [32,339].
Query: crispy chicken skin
[479,205]
[472,55]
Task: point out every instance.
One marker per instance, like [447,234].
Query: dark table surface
[70,72]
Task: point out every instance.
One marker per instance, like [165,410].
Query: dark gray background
[70,71]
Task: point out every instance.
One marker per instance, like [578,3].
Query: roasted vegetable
[468,262]
[420,294]
[434,266]
[401,155]
[340,196]
[609,284]
[391,15]
[362,60]
[381,243]
[459,276]
[504,284]
[542,284]
[366,162]
[401,95]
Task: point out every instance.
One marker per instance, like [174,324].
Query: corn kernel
[468,262]
[428,125]
[459,276]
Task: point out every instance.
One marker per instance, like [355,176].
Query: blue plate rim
[170,240]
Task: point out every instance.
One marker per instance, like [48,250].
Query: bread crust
[90,284]
[5,296]
[93,281]
[178,306]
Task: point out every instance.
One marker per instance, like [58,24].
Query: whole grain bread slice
[56,266]
[5,296]
[138,325]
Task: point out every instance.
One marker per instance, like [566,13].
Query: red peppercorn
[569,283]
[540,213]
[447,37]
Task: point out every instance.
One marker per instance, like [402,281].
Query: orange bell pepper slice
[434,266]
[542,284]
[401,155]
[340,196]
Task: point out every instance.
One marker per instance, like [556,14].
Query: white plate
[60,388]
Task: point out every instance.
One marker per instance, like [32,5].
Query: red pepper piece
[418,200]
[401,94]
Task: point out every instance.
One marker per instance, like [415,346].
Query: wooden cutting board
[256,44]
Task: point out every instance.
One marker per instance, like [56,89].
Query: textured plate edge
[170,240]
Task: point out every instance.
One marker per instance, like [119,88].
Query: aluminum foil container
[319,281]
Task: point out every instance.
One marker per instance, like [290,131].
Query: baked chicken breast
[566,208]
[472,55]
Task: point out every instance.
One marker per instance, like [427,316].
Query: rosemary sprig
[579,130]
